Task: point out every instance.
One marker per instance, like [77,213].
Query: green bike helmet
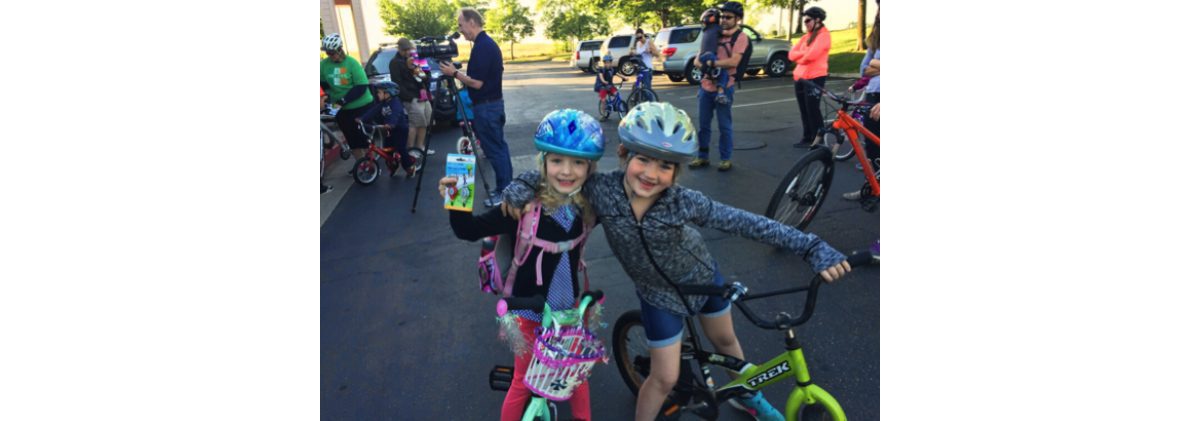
[659,130]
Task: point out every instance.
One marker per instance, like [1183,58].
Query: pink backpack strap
[526,234]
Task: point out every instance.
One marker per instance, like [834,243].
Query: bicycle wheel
[815,413]
[648,95]
[803,190]
[604,111]
[635,98]
[631,349]
[366,170]
[838,142]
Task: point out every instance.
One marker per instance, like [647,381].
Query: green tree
[509,21]
[568,20]
[862,24]
[661,13]
[480,6]
[417,18]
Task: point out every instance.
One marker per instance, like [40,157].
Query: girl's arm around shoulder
[705,212]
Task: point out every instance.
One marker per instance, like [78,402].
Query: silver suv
[618,47]
[681,43]
[587,55]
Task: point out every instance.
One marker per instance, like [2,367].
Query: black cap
[732,7]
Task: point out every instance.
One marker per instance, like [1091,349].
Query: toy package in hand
[461,196]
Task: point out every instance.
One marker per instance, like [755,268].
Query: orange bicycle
[806,186]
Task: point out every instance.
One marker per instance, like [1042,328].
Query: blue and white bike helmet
[659,130]
[570,132]
[332,42]
[388,86]
[608,57]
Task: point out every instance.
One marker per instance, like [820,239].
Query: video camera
[438,48]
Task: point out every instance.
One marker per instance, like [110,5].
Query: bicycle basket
[562,360]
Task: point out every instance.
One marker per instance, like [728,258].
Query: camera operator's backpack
[741,67]
[500,248]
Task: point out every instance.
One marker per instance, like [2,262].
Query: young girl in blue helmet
[645,216]
[570,142]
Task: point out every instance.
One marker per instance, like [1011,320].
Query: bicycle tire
[802,191]
[838,142]
[816,412]
[635,98]
[648,95]
[631,350]
[366,171]
[604,111]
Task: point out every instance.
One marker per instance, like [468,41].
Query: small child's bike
[695,392]
[564,351]
[613,104]
[366,169]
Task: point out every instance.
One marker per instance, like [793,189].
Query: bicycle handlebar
[538,302]
[735,292]
[846,101]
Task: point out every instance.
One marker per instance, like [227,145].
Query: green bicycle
[564,351]
[696,393]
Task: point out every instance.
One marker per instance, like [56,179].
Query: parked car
[587,55]
[681,43]
[618,47]
[444,104]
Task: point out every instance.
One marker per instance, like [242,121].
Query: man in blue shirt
[485,69]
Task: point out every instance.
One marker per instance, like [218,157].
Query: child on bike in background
[645,213]
[389,115]
[708,53]
[604,79]
[570,142]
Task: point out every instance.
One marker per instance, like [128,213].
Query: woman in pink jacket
[811,55]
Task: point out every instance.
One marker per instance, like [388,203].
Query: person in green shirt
[346,83]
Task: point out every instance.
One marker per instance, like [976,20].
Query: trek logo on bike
[770,374]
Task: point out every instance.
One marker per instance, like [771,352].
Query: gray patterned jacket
[663,240]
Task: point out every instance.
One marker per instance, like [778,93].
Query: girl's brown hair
[812,36]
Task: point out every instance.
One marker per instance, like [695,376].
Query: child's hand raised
[446,182]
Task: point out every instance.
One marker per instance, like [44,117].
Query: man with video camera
[485,69]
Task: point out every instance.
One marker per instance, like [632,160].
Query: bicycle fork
[805,393]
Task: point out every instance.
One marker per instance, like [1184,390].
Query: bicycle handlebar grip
[860,258]
[596,295]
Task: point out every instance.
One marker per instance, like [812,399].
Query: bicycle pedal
[500,378]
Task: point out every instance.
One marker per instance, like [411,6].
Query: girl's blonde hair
[552,199]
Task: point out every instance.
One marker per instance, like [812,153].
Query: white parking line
[767,102]
[693,95]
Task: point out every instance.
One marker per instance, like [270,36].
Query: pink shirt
[723,53]
[812,61]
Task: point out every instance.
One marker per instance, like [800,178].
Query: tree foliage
[568,20]
[417,18]
[509,22]
[659,13]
